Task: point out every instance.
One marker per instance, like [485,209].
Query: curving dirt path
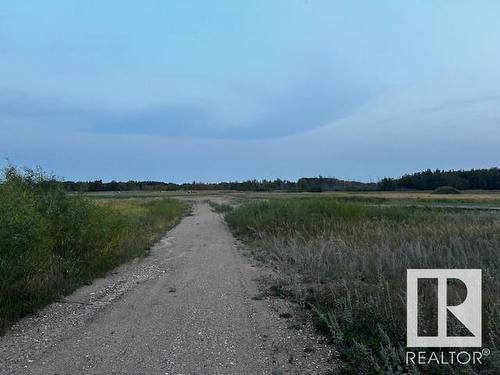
[186,309]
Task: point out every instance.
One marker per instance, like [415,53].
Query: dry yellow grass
[466,195]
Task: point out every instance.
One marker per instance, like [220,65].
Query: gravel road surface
[188,308]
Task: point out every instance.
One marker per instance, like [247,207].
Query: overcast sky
[223,90]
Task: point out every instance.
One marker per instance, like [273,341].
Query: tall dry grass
[348,262]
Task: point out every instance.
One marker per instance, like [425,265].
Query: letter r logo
[468,313]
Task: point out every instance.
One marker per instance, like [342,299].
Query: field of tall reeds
[51,243]
[347,262]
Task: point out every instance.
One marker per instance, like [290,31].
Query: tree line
[480,179]
[486,179]
[315,184]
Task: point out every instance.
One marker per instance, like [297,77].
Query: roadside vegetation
[347,261]
[220,207]
[52,243]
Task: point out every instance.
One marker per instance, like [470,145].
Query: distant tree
[430,180]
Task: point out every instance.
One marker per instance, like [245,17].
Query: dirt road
[186,309]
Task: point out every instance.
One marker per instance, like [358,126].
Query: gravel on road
[188,308]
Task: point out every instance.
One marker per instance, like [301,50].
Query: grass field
[469,197]
[347,261]
[472,197]
[51,243]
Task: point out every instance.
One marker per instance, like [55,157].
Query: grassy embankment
[348,262]
[51,243]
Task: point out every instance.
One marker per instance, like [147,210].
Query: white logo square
[468,312]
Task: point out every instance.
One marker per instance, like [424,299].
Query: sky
[185,90]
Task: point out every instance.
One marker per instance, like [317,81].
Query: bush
[51,243]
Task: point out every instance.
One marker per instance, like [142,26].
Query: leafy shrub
[51,243]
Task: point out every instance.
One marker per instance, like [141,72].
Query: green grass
[348,262]
[220,207]
[473,198]
[52,243]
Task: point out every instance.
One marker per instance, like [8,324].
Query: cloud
[363,145]
[299,109]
